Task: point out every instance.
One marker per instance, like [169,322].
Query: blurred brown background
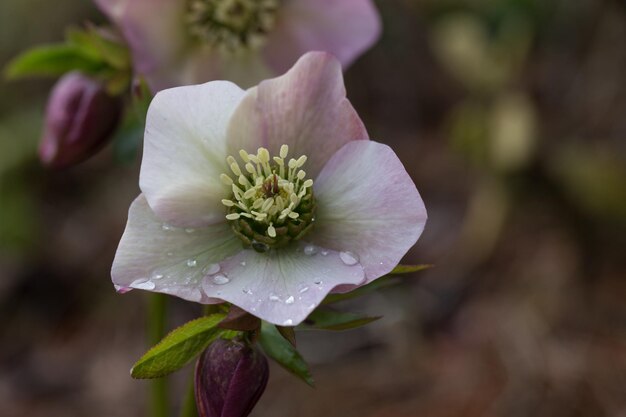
[510,115]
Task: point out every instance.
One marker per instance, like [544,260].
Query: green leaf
[93,44]
[52,60]
[279,349]
[383,282]
[406,269]
[178,348]
[334,320]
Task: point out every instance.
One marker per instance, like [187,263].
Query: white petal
[185,152]
[306,109]
[156,256]
[281,286]
[368,206]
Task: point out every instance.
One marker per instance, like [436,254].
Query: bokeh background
[510,115]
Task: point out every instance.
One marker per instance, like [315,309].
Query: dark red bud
[230,378]
[80,117]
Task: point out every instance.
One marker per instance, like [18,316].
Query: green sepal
[326,319]
[93,44]
[178,348]
[279,349]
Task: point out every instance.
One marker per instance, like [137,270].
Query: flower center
[233,24]
[272,201]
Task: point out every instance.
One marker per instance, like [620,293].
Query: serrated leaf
[406,269]
[279,349]
[52,60]
[178,348]
[326,319]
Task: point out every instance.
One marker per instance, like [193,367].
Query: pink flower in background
[181,42]
[268,198]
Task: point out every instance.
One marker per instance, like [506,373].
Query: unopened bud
[230,378]
[80,117]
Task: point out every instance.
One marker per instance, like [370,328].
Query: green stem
[157,307]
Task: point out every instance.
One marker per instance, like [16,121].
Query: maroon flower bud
[80,117]
[230,378]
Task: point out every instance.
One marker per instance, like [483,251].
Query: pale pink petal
[368,207]
[345,28]
[185,152]
[282,286]
[306,109]
[155,32]
[152,255]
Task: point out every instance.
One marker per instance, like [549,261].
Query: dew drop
[348,258]
[243,263]
[303,290]
[211,269]
[288,322]
[143,284]
[221,279]
[289,300]
[170,254]
[191,263]
[310,250]
[247,291]
[318,282]
[274,297]
[156,275]
[312,306]
[189,230]
[324,252]
[166,227]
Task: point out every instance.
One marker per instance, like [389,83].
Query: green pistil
[272,202]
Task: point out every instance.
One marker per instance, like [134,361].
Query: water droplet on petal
[318,282]
[348,258]
[247,291]
[143,284]
[156,275]
[310,250]
[166,227]
[243,263]
[189,230]
[303,290]
[211,269]
[324,252]
[191,263]
[289,300]
[312,306]
[221,279]
[170,254]
[288,322]
[274,297]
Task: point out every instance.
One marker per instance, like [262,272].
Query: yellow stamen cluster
[231,24]
[267,191]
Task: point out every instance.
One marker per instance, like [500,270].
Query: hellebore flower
[80,117]
[269,233]
[181,42]
[230,378]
